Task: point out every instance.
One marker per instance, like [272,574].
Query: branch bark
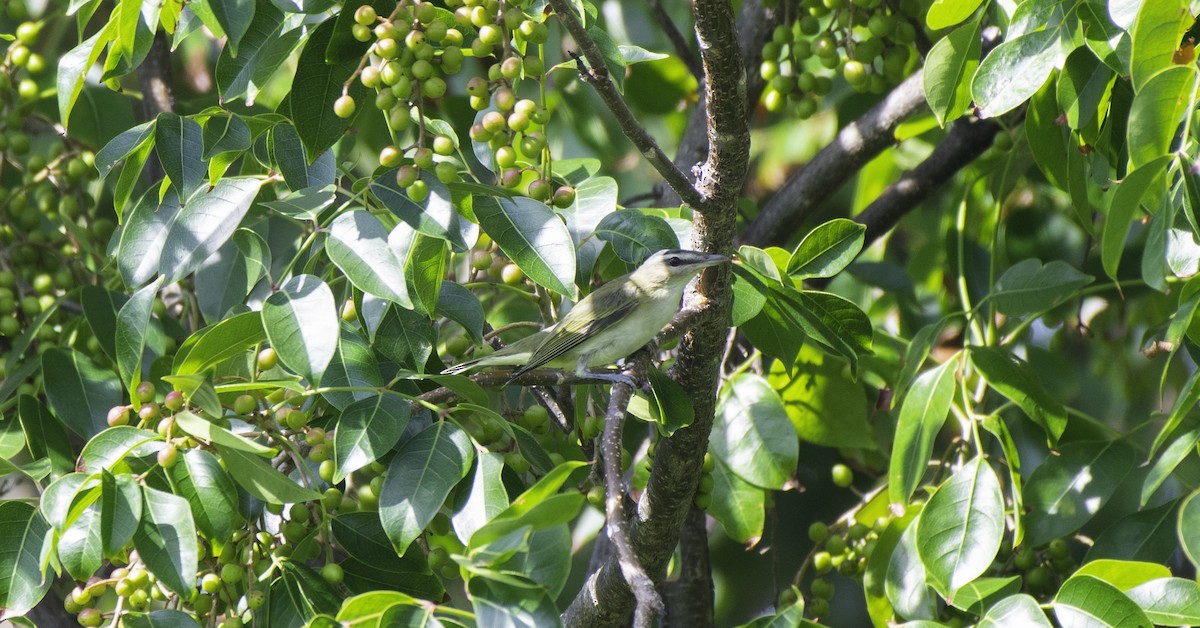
[855,145]
[606,599]
[690,598]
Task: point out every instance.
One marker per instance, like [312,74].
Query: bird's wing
[601,311]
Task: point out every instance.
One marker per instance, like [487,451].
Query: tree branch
[963,144]
[649,604]
[606,599]
[690,598]
[596,75]
[855,145]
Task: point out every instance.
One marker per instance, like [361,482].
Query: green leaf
[1189,396]
[74,66]
[1065,491]
[504,603]
[774,329]
[261,51]
[223,133]
[261,480]
[199,478]
[406,338]
[139,252]
[287,151]
[1017,610]
[595,198]
[906,585]
[1123,574]
[1028,287]
[614,61]
[1156,34]
[960,529]
[1189,527]
[212,433]
[370,609]
[358,244]
[120,511]
[1122,209]
[315,88]
[1168,601]
[353,366]
[204,224]
[634,235]
[921,419]
[80,393]
[372,564]
[133,322]
[833,321]
[1015,70]
[419,479]
[671,407]
[100,307]
[306,203]
[434,216]
[235,17]
[163,618]
[213,345]
[533,237]
[737,505]
[547,561]
[485,498]
[463,307]
[1016,380]
[366,430]
[1166,464]
[45,436]
[79,546]
[22,584]
[1083,88]
[302,324]
[298,596]
[538,507]
[825,407]
[949,66]
[1144,535]
[122,145]
[751,433]
[112,445]
[166,540]
[1157,110]
[65,498]
[1085,601]
[983,592]
[179,144]
[826,250]
[946,13]
[749,296]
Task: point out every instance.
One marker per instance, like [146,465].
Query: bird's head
[674,267]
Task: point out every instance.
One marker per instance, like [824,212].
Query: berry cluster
[867,42]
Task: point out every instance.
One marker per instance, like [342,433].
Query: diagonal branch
[855,145]
[596,75]
[682,50]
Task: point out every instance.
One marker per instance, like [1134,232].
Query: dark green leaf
[120,510]
[262,50]
[358,244]
[1016,380]
[166,540]
[948,70]
[80,548]
[262,481]
[140,250]
[1157,33]
[81,393]
[164,618]
[1065,491]
[484,498]
[960,529]
[372,564]
[751,433]
[461,306]
[213,345]
[199,478]
[302,323]
[217,435]
[406,338]
[533,237]
[1085,601]
[1028,287]
[287,151]
[435,216]
[133,323]
[21,557]
[826,250]
[905,584]
[224,133]
[45,435]
[1168,601]
[1014,70]
[671,407]
[634,235]
[921,419]
[737,505]
[204,224]
[235,17]
[419,479]
[112,445]
[1157,110]
[353,366]
[315,88]
[1017,610]
[366,430]
[179,144]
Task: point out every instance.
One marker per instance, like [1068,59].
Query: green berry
[842,475]
[344,106]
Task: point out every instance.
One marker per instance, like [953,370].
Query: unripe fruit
[423,158]
[512,274]
[117,415]
[493,121]
[407,175]
[89,617]
[822,562]
[506,157]
[818,531]
[145,392]
[443,145]
[365,15]
[267,359]
[539,190]
[446,171]
[343,107]
[418,191]
[168,456]
[173,401]
[149,412]
[210,583]
[842,475]
[332,573]
[564,196]
[232,574]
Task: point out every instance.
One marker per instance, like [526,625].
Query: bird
[612,322]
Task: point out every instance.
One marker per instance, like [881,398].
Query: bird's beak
[712,259]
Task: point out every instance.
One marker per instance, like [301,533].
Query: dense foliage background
[950,378]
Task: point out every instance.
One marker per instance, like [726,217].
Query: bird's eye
[674,261]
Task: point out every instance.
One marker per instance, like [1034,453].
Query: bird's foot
[612,378]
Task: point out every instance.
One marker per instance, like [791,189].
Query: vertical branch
[690,598]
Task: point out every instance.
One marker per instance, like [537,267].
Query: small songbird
[612,322]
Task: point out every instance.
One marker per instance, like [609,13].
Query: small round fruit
[564,196]
[149,412]
[443,145]
[344,106]
[418,191]
[168,456]
[365,15]
[245,404]
[539,189]
[145,392]
[818,531]
[267,359]
[332,573]
[173,401]
[407,175]
[843,477]
[211,583]
[506,157]
[512,274]
[118,415]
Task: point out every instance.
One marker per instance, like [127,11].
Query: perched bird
[611,323]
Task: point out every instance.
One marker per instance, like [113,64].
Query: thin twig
[649,604]
[682,50]
[596,75]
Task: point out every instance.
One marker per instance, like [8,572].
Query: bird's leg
[581,370]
